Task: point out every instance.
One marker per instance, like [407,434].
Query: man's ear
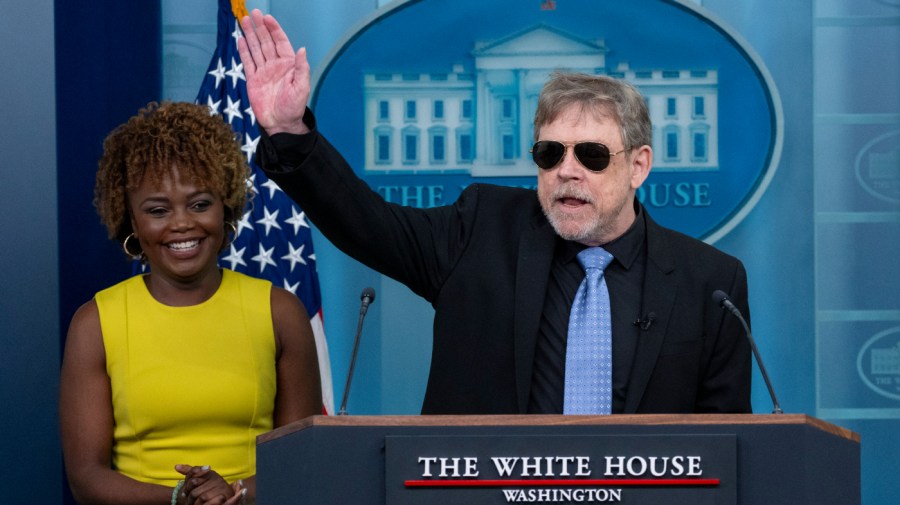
[641,163]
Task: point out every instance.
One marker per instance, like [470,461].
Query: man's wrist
[299,128]
[304,125]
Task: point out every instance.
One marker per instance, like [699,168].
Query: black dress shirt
[624,279]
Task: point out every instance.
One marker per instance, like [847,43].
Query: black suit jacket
[484,263]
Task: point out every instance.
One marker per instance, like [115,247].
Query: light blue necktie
[588,386]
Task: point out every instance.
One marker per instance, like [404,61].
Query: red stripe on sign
[561,482]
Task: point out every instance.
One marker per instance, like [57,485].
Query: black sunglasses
[593,155]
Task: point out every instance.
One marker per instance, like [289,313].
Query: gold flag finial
[239,9]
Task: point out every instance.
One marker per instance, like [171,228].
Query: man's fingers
[281,43]
[301,67]
[248,47]
[263,36]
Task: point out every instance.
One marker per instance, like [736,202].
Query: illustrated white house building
[479,121]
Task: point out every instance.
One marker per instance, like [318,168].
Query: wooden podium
[718,459]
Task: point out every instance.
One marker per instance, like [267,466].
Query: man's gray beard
[581,235]
[588,232]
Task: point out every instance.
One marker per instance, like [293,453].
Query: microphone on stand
[367,297]
[722,300]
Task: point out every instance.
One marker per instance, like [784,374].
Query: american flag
[273,239]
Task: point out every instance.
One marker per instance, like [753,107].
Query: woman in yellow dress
[169,376]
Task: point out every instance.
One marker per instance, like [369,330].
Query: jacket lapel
[659,292]
[535,258]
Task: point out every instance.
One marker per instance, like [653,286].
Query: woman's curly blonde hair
[158,139]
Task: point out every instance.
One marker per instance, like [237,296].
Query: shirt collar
[624,249]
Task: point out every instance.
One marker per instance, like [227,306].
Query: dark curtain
[108,56]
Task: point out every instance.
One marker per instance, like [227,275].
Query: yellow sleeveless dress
[192,385]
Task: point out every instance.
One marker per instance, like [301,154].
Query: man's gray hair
[600,96]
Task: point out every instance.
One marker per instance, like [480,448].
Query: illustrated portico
[480,121]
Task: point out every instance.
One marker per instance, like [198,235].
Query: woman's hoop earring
[139,256]
[233,232]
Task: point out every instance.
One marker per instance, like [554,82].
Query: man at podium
[568,299]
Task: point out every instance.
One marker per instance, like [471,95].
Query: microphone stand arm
[762,368]
[359,325]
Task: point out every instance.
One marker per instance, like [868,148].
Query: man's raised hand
[277,77]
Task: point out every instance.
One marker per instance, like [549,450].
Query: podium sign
[747,459]
[635,469]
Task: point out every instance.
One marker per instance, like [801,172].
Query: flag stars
[270,220]
[218,73]
[243,224]
[295,255]
[249,146]
[298,220]
[236,72]
[213,106]
[272,187]
[237,34]
[251,115]
[291,287]
[264,258]
[235,257]
[233,109]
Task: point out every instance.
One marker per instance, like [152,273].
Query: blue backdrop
[820,246]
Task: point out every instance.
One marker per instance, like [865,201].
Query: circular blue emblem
[878,363]
[876,167]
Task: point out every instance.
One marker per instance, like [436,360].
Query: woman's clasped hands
[204,486]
